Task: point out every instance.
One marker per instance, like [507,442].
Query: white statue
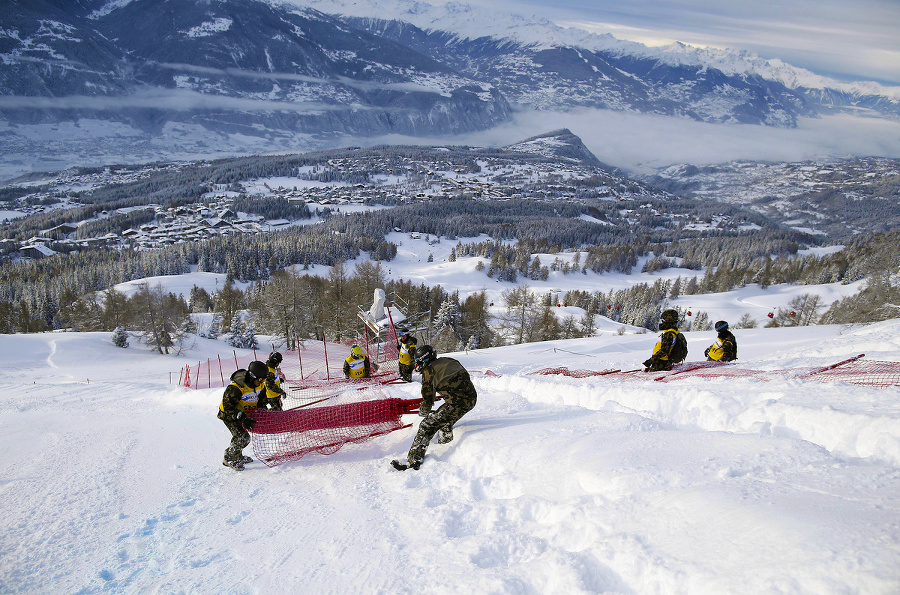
[377,309]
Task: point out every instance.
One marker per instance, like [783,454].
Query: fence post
[208,374]
[300,359]
[197,379]
[327,371]
[187,377]
[220,369]
[236,366]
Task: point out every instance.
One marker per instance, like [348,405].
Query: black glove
[706,353]
[246,422]
[423,411]
[648,362]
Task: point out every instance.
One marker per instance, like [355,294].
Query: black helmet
[274,359]
[721,325]
[257,370]
[425,354]
[668,319]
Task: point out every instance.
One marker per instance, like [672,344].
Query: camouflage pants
[406,371]
[459,399]
[660,365]
[240,438]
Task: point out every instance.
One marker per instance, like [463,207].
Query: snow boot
[247,459]
[236,465]
[404,464]
[445,435]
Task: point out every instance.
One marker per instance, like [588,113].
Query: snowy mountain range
[192,78]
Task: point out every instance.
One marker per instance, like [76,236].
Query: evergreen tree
[701,322]
[120,337]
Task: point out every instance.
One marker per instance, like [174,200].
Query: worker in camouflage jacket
[448,377]
[671,347]
[239,398]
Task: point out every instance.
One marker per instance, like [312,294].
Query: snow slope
[112,480]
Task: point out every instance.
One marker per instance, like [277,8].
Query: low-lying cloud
[641,143]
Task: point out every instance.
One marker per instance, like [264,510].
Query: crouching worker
[241,396]
[446,376]
[357,364]
[671,347]
[271,397]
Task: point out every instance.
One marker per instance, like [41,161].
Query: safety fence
[854,370]
[312,364]
[353,415]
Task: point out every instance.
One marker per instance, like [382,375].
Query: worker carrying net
[324,426]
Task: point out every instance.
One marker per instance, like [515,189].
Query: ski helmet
[274,360]
[426,353]
[356,350]
[668,319]
[721,325]
[257,370]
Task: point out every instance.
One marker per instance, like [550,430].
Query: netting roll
[281,436]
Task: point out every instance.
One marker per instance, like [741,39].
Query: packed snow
[114,483]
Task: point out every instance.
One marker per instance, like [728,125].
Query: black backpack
[679,349]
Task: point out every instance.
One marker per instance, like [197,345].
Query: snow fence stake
[299,358]
[220,369]
[197,379]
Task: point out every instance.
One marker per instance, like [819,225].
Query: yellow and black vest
[249,397]
[405,355]
[357,366]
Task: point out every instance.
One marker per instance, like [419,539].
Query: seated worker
[271,398]
[671,347]
[407,354]
[725,347]
[357,364]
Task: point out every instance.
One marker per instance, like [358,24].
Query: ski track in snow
[552,485]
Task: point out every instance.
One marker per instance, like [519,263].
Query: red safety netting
[854,370]
[311,370]
[325,426]
[563,371]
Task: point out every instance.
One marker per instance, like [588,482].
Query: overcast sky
[849,40]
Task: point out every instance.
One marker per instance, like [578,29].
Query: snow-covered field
[112,479]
